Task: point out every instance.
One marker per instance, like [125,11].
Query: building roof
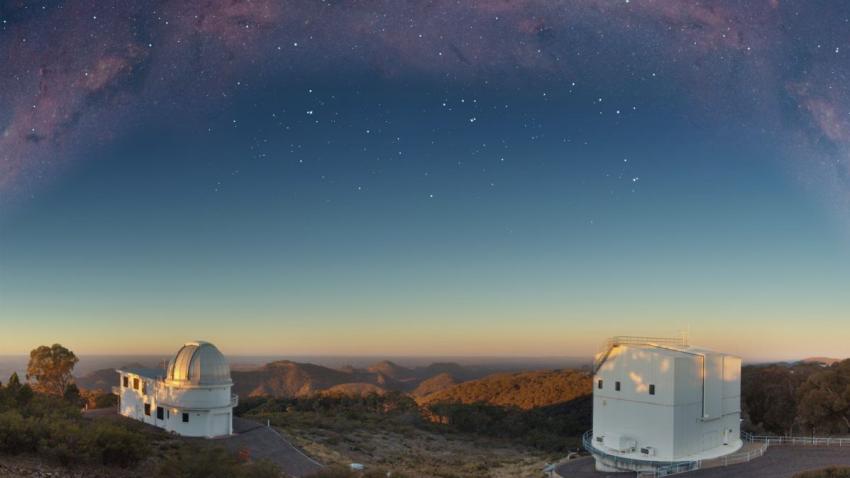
[144,372]
[661,345]
[199,363]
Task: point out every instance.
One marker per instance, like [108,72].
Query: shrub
[193,461]
[830,472]
[115,445]
[19,434]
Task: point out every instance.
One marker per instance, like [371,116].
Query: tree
[52,368]
[825,400]
[14,382]
[25,394]
[72,395]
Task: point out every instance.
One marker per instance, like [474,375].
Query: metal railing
[796,440]
[735,458]
[634,464]
[612,342]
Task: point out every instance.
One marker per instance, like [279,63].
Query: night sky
[400,177]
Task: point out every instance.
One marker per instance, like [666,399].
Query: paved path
[781,462]
[584,468]
[267,443]
[777,462]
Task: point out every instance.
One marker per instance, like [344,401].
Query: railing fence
[668,469]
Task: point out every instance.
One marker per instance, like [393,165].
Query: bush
[19,434]
[69,440]
[830,472]
[115,445]
[342,472]
[105,400]
[193,461]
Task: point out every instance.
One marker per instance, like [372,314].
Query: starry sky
[424,177]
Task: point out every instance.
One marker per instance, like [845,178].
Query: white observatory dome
[199,363]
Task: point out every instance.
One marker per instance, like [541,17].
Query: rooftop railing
[612,342]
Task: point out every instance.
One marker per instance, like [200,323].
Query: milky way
[76,75]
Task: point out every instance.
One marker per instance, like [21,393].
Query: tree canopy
[52,368]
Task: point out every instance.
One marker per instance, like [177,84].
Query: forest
[796,399]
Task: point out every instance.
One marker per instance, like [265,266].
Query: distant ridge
[392,370]
[104,379]
[435,384]
[524,390]
[821,360]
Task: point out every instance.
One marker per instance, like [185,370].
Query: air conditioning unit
[620,443]
[648,451]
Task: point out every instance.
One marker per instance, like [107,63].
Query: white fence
[797,441]
[764,442]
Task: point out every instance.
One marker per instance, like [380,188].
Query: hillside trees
[52,368]
[824,400]
[797,399]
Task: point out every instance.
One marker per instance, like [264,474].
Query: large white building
[660,401]
[192,397]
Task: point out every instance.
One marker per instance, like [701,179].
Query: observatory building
[191,397]
[658,402]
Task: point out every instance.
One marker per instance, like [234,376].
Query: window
[147,409]
[185,418]
[617,386]
[136,383]
[126,381]
[652,389]
[160,413]
[599,384]
[145,388]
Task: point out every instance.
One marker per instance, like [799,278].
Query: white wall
[209,412]
[632,411]
[671,421]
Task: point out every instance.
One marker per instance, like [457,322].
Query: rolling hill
[525,390]
[434,384]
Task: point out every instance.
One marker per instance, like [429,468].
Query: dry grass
[410,451]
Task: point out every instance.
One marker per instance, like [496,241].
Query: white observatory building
[191,397]
[660,401]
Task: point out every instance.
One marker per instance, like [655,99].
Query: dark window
[160,413]
[126,381]
[185,418]
[168,414]
[136,383]
[617,386]
[652,389]
[144,388]
[599,385]
[148,409]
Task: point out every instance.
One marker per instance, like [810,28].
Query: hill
[353,390]
[525,390]
[434,384]
[392,370]
[828,361]
[288,379]
[102,380]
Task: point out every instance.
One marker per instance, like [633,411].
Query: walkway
[781,462]
[267,443]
